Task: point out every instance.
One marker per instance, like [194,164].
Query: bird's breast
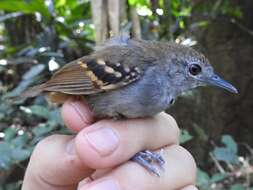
[145,97]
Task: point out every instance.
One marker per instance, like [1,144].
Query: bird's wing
[91,75]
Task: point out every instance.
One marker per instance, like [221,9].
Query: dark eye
[194,69]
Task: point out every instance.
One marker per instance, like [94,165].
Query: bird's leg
[150,160]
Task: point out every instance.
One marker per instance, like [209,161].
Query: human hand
[97,157]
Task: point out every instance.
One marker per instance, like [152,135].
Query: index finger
[76,114]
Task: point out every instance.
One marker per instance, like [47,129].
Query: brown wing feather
[71,79]
[90,76]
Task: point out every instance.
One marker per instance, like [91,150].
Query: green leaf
[186,11]
[19,155]
[27,79]
[224,154]
[60,3]
[42,129]
[20,140]
[55,116]
[203,178]
[6,155]
[9,133]
[185,136]
[230,143]
[217,177]
[33,72]
[37,110]
[5,108]
[12,186]
[237,187]
[227,153]
[181,24]
[138,2]
[20,88]
[11,154]
[24,6]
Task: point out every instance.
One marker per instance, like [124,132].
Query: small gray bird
[128,78]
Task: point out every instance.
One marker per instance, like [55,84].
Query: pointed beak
[217,81]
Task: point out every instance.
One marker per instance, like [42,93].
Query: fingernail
[104,185]
[103,140]
[70,148]
[83,112]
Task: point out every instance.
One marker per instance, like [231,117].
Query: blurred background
[39,36]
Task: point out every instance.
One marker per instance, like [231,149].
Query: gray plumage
[133,78]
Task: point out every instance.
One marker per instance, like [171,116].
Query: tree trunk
[99,17]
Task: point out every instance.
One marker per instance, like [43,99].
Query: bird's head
[191,69]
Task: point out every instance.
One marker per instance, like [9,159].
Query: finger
[100,172]
[190,187]
[180,171]
[54,165]
[76,114]
[108,143]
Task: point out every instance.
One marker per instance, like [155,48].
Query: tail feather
[33,91]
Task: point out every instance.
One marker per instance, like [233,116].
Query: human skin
[96,158]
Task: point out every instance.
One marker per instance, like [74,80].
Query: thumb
[54,165]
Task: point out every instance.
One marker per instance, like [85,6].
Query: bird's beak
[217,81]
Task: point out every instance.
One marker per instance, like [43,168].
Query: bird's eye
[194,69]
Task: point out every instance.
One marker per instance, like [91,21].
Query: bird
[130,78]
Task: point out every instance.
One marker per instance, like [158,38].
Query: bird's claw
[150,160]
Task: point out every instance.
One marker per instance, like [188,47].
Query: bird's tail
[33,91]
[30,92]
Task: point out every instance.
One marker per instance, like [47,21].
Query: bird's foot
[150,160]
[119,116]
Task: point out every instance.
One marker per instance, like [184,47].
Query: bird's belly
[127,107]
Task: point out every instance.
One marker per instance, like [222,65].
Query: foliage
[185,136]
[229,174]
[39,36]
[25,6]
[227,153]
